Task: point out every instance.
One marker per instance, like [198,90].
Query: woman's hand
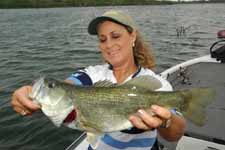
[22,103]
[151,118]
[155,117]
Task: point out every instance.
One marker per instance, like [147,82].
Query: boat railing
[76,142]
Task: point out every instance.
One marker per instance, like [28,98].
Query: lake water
[54,42]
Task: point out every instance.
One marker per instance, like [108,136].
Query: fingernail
[152,113]
[141,111]
[154,107]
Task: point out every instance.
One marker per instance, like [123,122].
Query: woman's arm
[175,130]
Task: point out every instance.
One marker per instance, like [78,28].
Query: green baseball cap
[112,15]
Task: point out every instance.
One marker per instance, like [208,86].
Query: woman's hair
[142,51]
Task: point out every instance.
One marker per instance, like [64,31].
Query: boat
[205,71]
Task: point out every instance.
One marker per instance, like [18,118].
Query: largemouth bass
[105,107]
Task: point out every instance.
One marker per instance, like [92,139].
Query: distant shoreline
[7,4]
[73,3]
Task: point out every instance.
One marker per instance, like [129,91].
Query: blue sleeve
[80,78]
[175,112]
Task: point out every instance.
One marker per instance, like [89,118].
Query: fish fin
[145,81]
[195,102]
[93,139]
[104,83]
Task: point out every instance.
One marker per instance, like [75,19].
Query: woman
[127,57]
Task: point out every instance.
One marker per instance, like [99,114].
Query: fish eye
[51,85]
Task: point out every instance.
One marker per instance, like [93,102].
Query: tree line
[73,3]
[78,3]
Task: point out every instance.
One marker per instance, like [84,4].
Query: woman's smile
[113,52]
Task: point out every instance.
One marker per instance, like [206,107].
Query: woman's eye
[102,40]
[116,36]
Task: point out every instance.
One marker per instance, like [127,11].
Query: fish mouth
[37,88]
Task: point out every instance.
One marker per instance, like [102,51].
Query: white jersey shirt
[133,139]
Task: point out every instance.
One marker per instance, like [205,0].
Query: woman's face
[116,43]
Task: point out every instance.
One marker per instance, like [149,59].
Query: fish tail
[195,102]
